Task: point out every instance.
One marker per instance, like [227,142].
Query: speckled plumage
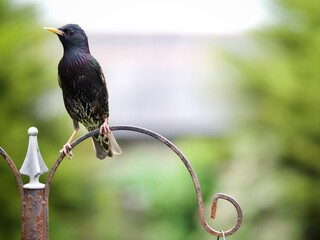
[84,87]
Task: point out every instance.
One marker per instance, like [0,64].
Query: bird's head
[71,36]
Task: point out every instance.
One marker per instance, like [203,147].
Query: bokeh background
[235,85]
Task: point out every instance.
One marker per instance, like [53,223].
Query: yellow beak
[54,30]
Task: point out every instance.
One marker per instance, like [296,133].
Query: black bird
[84,90]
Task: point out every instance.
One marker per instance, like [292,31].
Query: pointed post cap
[33,165]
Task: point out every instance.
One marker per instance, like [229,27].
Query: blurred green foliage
[22,76]
[270,163]
[279,85]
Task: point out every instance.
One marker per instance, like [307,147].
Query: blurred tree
[22,78]
[280,84]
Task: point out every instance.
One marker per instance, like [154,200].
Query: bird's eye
[71,32]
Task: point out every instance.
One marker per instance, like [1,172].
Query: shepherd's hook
[185,162]
[43,194]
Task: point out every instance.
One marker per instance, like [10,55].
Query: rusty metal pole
[34,215]
[34,204]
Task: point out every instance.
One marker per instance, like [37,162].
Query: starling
[84,90]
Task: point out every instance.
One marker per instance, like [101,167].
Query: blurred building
[168,83]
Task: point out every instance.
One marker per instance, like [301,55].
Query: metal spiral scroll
[189,168]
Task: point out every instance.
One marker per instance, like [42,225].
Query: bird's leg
[104,129]
[67,147]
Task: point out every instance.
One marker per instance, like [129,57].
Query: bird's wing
[103,79]
[59,81]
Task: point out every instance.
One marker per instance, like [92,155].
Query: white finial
[33,165]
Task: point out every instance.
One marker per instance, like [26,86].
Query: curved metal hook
[238,209]
[14,169]
[186,163]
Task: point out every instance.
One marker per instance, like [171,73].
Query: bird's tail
[106,147]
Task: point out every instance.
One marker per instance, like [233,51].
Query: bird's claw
[104,130]
[67,150]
